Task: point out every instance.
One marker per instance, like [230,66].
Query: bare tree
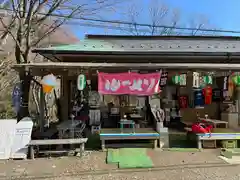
[159,19]
[22,19]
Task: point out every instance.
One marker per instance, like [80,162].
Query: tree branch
[158,15]
[9,32]
[55,25]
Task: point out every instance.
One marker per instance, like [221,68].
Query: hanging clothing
[160,115]
[216,95]
[198,98]
[183,102]
[230,87]
[207,92]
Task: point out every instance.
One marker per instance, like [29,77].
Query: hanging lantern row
[182,79]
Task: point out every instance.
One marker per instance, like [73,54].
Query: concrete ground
[168,165]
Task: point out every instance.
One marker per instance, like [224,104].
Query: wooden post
[42,104]
[82,147]
[199,142]
[64,97]
[103,145]
[155,143]
[31,152]
[238,104]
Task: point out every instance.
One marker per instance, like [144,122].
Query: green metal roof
[86,45]
[147,46]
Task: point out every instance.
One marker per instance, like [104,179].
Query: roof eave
[127,53]
[144,37]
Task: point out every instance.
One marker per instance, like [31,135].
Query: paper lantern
[47,88]
[196,80]
[176,79]
[207,79]
[236,80]
[81,82]
[183,80]
[49,80]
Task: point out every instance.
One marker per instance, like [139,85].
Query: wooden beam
[129,66]
[142,59]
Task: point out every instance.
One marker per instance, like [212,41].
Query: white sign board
[23,132]
[7,133]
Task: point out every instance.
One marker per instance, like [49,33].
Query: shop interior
[178,98]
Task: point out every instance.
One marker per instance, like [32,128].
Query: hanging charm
[163,79]
[225,83]
[225,87]
[196,80]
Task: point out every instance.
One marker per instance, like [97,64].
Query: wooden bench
[43,142]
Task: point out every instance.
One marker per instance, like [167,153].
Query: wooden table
[67,125]
[215,122]
[137,118]
[116,134]
[42,142]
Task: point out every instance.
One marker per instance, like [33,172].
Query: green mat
[129,158]
[112,156]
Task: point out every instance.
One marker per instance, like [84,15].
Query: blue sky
[219,14]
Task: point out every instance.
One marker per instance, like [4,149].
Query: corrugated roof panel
[155,45]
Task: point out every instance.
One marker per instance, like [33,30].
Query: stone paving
[168,165]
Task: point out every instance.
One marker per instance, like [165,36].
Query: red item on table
[183,102]
[201,128]
[207,92]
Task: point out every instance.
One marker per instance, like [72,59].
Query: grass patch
[180,141]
